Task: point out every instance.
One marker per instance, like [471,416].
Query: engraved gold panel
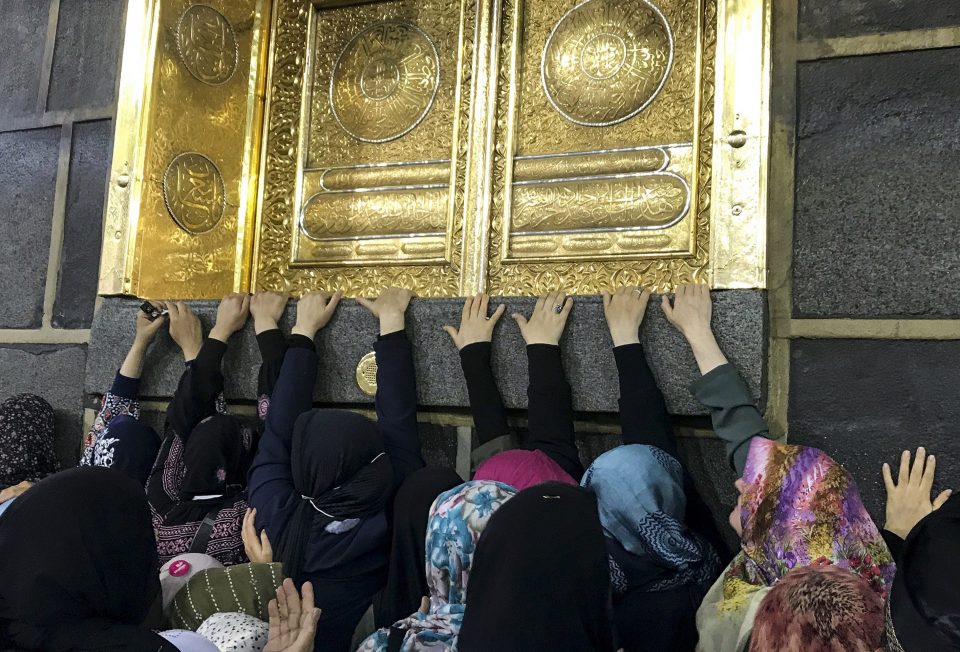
[180,216]
[367,146]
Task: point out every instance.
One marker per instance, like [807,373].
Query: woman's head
[26,440]
[217,456]
[127,445]
[798,506]
[539,578]
[819,608]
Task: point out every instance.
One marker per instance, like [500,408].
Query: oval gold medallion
[606,61]
[384,81]
[367,374]
[207,45]
[193,193]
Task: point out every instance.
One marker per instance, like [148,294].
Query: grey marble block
[739,320]
[23,31]
[832,18]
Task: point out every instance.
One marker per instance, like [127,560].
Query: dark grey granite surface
[866,401]
[23,31]
[56,374]
[830,18]
[878,149]
[739,318]
[87,55]
[83,224]
[28,177]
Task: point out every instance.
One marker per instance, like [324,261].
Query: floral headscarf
[799,508]
[26,440]
[457,519]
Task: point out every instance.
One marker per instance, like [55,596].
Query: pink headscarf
[522,469]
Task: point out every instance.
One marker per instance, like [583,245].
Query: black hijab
[341,472]
[407,581]
[924,602]
[216,457]
[127,445]
[26,440]
[540,580]
[79,565]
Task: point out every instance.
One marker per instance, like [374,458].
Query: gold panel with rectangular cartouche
[512,146]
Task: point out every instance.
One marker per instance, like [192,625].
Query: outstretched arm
[270,482]
[643,411]
[735,416]
[550,399]
[473,339]
[396,400]
[267,309]
[908,500]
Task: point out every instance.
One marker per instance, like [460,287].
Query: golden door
[511,146]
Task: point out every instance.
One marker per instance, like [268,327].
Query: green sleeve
[736,419]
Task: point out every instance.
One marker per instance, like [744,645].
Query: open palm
[293,621]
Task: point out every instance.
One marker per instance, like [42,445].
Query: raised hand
[232,314]
[267,309]
[908,501]
[314,311]
[548,320]
[148,328]
[624,310]
[258,548]
[293,621]
[691,310]
[185,329]
[475,325]
[390,308]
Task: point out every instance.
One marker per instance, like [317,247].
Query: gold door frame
[246,184]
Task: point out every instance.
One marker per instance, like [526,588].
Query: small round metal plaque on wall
[207,45]
[606,61]
[193,193]
[367,374]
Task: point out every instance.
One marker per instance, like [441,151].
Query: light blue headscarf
[641,501]
[457,518]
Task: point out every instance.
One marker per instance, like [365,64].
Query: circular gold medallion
[384,82]
[207,45]
[367,374]
[606,60]
[193,193]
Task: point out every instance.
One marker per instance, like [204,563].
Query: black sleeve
[894,542]
[396,404]
[550,409]
[273,346]
[196,395]
[486,404]
[643,410]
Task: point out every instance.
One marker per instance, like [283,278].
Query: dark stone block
[864,402]
[23,34]
[28,178]
[878,146]
[831,18]
[56,374]
[87,56]
[83,226]
[739,321]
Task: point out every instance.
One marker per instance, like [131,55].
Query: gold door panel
[451,147]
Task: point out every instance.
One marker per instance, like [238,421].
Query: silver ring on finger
[558,308]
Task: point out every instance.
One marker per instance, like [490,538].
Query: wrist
[190,353]
[140,342]
[622,337]
[698,335]
[221,333]
[261,324]
[391,323]
[309,332]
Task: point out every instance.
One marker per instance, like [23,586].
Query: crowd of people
[280,533]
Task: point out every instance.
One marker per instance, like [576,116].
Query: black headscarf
[540,580]
[79,565]
[407,581]
[127,445]
[924,602]
[341,472]
[216,457]
[26,440]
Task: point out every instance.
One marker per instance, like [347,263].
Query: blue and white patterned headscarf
[457,519]
[641,501]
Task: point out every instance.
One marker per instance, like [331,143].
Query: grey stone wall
[58,72]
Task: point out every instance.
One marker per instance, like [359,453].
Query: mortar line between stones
[880,329]
[884,43]
[57,118]
[49,48]
[57,225]
[45,335]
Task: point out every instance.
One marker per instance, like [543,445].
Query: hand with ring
[624,310]
[475,325]
[548,320]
